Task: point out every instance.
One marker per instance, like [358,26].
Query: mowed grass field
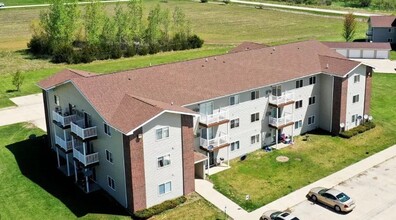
[32,187]
[266,180]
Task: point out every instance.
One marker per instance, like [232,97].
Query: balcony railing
[215,142]
[217,116]
[278,122]
[282,99]
[86,159]
[64,144]
[83,131]
[63,119]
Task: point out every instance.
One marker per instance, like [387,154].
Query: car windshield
[273,215]
[322,191]
[343,197]
[295,218]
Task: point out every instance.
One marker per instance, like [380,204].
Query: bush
[63,54]
[226,1]
[157,209]
[358,130]
[39,46]
[194,42]
[347,134]
[17,80]
[204,1]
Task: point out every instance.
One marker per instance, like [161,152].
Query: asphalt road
[373,192]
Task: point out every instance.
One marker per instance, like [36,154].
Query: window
[255,139]
[107,129]
[110,182]
[56,99]
[312,80]
[235,145]
[162,133]
[312,100]
[356,78]
[165,188]
[234,100]
[254,95]
[298,104]
[355,98]
[109,156]
[164,161]
[299,83]
[355,118]
[234,123]
[311,120]
[298,124]
[254,117]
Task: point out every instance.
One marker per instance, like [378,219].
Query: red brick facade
[188,154]
[367,96]
[340,94]
[134,171]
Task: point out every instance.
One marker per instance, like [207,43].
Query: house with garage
[144,135]
[382,29]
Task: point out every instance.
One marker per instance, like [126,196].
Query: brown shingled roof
[198,157]
[193,81]
[383,21]
[247,46]
[61,77]
[359,45]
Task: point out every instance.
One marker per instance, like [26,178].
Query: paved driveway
[373,191]
[380,65]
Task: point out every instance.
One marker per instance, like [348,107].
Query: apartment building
[382,29]
[143,135]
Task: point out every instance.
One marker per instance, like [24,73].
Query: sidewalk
[205,188]
[29,108]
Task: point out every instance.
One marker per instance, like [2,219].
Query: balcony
[64,119]
[219,116]
[281,122]
[86,159]
[80,129]
[66,145]
[285,99]
[215,143]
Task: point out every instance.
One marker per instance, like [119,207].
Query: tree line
[388,5]
[66,34]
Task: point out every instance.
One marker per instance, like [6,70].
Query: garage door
[342,52]
[368,54]
[382,54]
[354,54]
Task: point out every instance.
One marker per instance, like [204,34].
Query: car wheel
[337,208]
[314,198]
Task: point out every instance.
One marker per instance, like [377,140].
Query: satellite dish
[365,117]
[370,118]
[210,147]
[342,125]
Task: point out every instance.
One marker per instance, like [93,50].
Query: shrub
[63,54]
[194,42]
[346,134]
[155,210]
[226,1]
[39,45]
[358,130]
[204,1]
[17,80]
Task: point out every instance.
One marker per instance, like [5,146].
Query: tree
[349,27]
[93,22]
[17,80]
[135,9]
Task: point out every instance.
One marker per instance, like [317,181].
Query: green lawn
[392,55]
[32,187]
[266,180]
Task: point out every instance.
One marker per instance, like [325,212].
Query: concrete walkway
[205,188]
[302,8]
[29,108]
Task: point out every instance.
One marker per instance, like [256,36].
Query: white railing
[86,159]
[215,142]
[64,119]
[285,119]
[284,98]
[217,116]
[66,145]
[82,131]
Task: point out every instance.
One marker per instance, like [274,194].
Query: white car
[277,215]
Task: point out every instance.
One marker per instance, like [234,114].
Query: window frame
[106,129]
[56,100]
[298,124]
[254,139]
[312,80]
[234,123]
[299,83]
[162,133]
[311,120]
[254,95]
[355,98]
[312,100]
[109,156]
[163,159]
[111,183]
[236,100]
[255,117]
[298,104]
[356,78]
[233,144]
[165,192]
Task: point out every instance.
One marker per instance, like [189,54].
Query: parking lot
[374,192]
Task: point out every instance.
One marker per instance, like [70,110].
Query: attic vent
[203,65]
[273,48]
[171,103]
[223,61]
[129,78]
[206,59]
[327,66]
[215,58]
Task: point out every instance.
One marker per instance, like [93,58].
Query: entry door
[212,159]
[206,108]
[277,90]
[87,119]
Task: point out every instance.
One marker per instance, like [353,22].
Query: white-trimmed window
[298,104]
[106,129]
[165,188]
[311,120]
[299,83]
[164,161]
[298,124]
[255,139]
[312,100]
[355,98]
[109,156]
[254,95]
[111,182]
[312,80]
[234,100]
[254,117]
[235,145]
[56,100]
[356,78]
[355,117]
[234,123]
[162,133]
